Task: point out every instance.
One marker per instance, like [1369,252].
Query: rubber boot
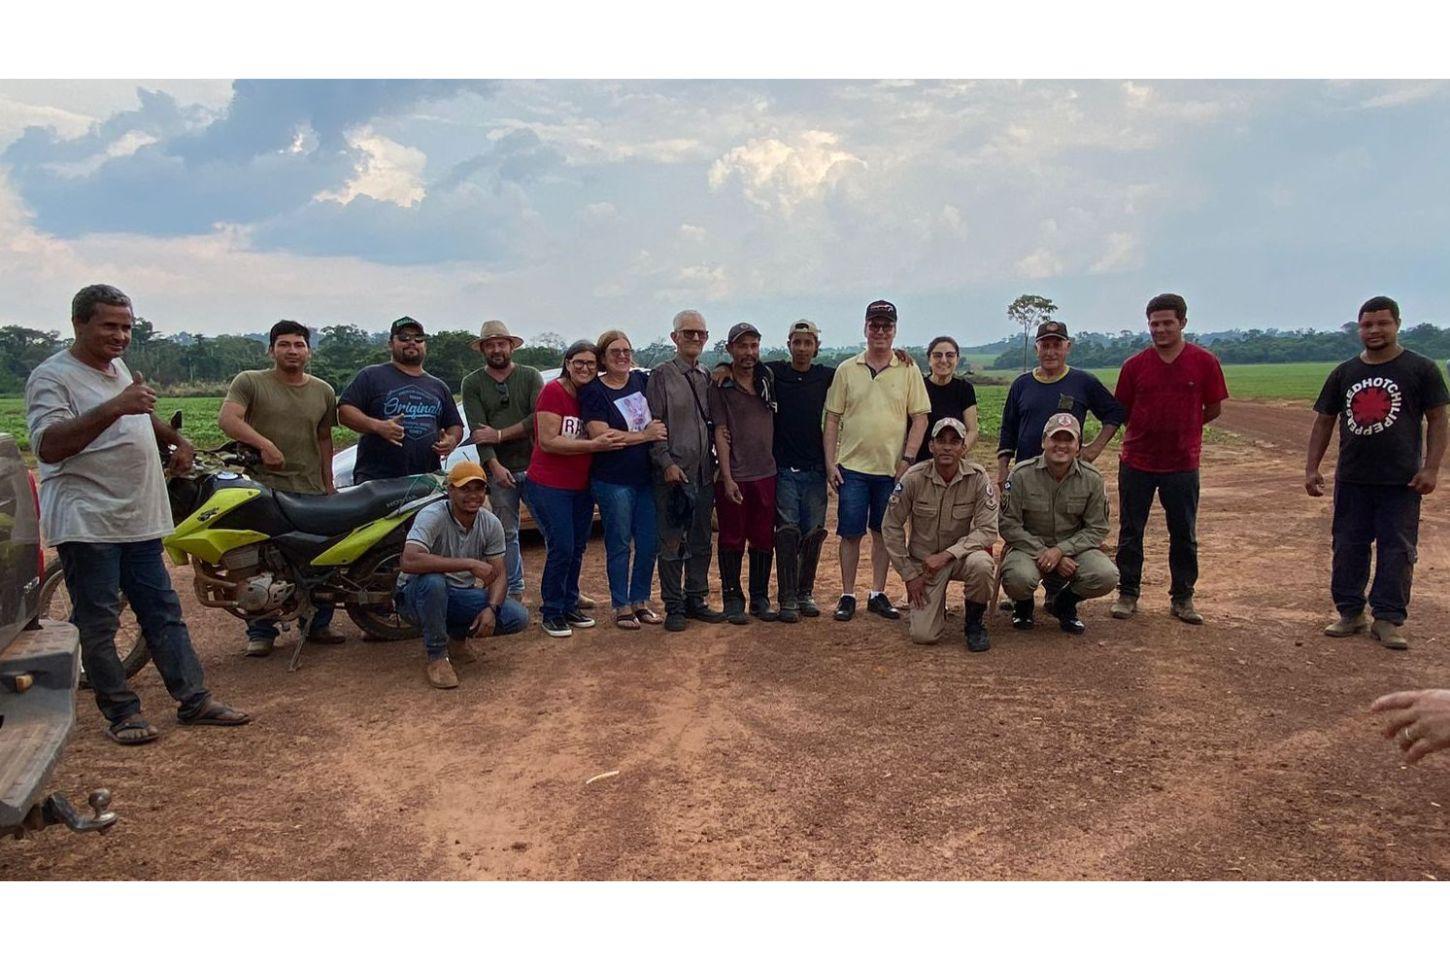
[787,572]
[806,582]
[976,629]
[1064,608]
[730,592]
[760,607]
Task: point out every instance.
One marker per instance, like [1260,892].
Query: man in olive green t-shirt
[288,415]
[498,407]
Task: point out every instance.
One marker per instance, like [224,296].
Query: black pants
[684,552]
[1388,516]
[1178,493]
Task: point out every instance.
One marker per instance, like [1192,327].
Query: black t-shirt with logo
[1381,407]
[383,392]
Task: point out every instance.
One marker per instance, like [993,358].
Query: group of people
[669,455]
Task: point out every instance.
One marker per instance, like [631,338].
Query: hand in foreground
[1048,559]
[483,571]
[484,623]
[834,477]
[502,476]
[934,563]
[137,398]
[1424,481]
[272,458]
[656,431]
[485,435]
[916,592]
[673,474]
[182,457]
[610,440]
[1066,567]
[1314,483]
[391,430]
[445,443]
[732,491]
[1417,720]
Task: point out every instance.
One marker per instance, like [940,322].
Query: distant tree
[1027,311]
[552,341]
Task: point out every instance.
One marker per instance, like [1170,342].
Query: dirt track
[1147,749]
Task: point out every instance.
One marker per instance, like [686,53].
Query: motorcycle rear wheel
[378,571]
[54,604]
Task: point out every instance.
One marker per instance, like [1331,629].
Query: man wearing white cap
[1054,521]
[951,503]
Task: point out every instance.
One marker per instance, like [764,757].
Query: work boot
[730,593]
[806,585]
[1022,618]
[463,651]
[1347,626]
[760,607]
[787,572]
[698,608]
[1388,634]
[587,603]
[1064,608]
[260,646]
[1183,610]
[441,675]
[1124,607]
[675,621]
[976,630]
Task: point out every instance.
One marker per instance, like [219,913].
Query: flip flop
[134,722]
[215,714]
[626,621]
[646,615]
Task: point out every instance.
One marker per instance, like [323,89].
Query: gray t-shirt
[113,491]
[435,530]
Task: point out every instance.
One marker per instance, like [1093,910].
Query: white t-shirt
[113,491]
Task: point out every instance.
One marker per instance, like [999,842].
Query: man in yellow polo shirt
[868,449]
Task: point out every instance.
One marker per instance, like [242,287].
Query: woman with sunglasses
[622,480]
[556,487]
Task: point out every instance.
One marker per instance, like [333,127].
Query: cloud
[388,171]
[776,175]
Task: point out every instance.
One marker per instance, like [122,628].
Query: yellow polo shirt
[874,412]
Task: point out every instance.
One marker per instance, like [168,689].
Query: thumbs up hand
[137,398]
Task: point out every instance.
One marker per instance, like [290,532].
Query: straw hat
[492,329]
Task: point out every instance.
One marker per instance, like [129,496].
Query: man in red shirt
[1170,390]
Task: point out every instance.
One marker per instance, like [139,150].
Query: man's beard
[496,361]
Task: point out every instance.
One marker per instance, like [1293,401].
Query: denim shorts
[863,498]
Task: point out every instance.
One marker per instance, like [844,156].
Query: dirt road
[1147,749]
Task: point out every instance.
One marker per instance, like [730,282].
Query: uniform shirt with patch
[956,516]
[1381,409]
[436,531]
[1039,511]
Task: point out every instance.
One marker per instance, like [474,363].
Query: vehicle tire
[54,604]
[378,570]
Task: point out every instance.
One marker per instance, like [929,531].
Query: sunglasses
[503,393]
[694,334]
[412,338]
[880,326]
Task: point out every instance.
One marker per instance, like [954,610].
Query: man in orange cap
[455,545]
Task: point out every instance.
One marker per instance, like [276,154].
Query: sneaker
[440,674]
[1124,607]
[259,647]
[578,618]
[1348,626]
[1183,610]
[846,609]
[557,627]
[676,621]
[808,606]
[880,606]
[1388,634]
[1022,611]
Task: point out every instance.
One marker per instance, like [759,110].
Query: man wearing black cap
[1051,388]
[743,408]
[407,418]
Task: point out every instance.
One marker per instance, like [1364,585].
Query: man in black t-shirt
[1379,399]
[407,418]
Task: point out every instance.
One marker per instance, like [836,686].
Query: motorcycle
[257,552]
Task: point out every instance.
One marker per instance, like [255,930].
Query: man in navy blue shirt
[407,418]
[1053,387]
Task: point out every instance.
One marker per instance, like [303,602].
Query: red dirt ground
[1147,749]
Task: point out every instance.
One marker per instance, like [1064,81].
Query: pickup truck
[39,663]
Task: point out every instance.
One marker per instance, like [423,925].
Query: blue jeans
[628,513]
[564,518]
[862,502]
[96,574]
[800,500]
[505,504]
[446,611]
[266,628]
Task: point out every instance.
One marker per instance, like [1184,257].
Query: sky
[572,206]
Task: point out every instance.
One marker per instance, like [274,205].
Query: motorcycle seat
[350,508]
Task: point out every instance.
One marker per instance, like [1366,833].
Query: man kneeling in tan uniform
[952,505]
[1054,519]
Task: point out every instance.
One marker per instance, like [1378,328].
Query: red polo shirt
[1165,407]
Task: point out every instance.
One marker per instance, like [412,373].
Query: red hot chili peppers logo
[1372,406]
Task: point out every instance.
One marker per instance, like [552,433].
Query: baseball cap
[740,330]
[466,471]
[881,308]
[402,322]
[1062,421]
[1052,328]
[948,423]
[804,326]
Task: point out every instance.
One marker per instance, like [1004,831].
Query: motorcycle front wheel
[377,572]
[54,604]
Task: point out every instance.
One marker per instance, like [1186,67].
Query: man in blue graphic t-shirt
[407,418]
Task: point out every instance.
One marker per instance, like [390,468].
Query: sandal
[626,621]
[646,615]
[215,714]
[145,733]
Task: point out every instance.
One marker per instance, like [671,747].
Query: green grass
[1267,381]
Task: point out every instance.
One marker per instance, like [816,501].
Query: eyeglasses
[503,393]
[583,364]
[619,352]
[412,338]
[938,355]
[694,334]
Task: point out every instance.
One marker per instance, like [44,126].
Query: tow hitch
[58,809]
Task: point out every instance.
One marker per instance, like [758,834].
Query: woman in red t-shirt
[556,488]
